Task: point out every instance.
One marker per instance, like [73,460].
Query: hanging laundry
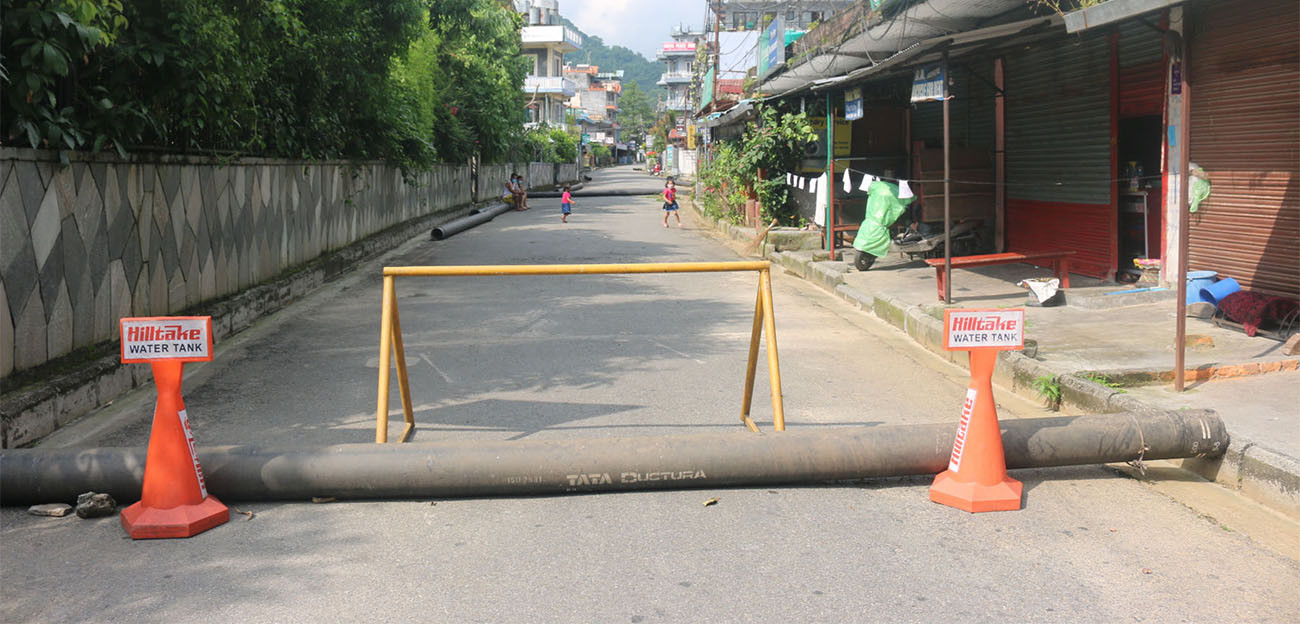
[866,182]
[803,182]
[820,187]
[789,179]
[813,183]
[848,184]
[904,191]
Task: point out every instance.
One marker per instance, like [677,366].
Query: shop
[1244,83]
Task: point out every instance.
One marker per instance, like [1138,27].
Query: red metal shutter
[1245,132]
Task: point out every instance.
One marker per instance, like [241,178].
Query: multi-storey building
[595,103]
[545,42]
[678,57]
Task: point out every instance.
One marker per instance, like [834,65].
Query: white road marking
[436,369]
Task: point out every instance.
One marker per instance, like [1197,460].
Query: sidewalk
[1124,341]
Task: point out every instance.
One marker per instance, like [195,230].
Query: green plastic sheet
[883,209]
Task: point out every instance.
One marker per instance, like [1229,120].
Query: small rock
[1200,309]
[1292,345]
[92,505]
[53,510]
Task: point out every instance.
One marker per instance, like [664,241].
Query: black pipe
[478,216]
[547,467]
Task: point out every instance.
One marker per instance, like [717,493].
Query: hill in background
[613,58]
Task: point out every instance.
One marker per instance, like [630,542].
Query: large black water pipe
[478,216]
[532,467]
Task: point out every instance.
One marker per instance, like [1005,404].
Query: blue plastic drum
[1196,281]
[1214,293]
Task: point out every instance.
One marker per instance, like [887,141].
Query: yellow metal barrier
[390,331]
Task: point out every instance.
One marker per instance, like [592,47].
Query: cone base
[974,497]
[143,522]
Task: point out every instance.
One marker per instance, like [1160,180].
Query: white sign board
[984,329]
[171,338]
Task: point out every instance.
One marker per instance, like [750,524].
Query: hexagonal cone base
[973,497]
[143,522]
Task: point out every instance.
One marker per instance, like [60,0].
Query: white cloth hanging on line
[822,185]
[866,182]
[848,184]
[904,191]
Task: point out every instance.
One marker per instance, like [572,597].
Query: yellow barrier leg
[403,383]
[385,350]
[773,363]
[752,368]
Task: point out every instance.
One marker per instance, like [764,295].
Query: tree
[637,115]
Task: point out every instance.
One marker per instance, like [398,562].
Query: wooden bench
[1059,261]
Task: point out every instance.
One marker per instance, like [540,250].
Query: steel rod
[578,269]
[385,352]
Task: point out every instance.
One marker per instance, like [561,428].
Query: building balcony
[560,38]
[550,85]
[669,78]
[676,49]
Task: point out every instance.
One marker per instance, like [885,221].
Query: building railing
[550,84]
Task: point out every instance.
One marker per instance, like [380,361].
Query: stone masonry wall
[84,244]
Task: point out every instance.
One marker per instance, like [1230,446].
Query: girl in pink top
[566,204]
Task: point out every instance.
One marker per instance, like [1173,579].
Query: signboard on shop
[853,104]
[679,46]
[928,84]
[771,48]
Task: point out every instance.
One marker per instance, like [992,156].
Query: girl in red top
[670,202]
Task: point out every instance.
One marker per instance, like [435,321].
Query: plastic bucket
[1198,280]
[1214,293]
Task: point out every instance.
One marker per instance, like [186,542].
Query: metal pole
[830,175]
[773,363]
[947,210]
[561,466]
[385,353]
[751,369]
[1184,220]
[577,269]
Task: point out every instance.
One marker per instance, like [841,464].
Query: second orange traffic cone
[174,501]
[976,479]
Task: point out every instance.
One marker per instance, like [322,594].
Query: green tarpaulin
[883,209]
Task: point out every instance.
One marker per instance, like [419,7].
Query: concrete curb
[1267,477]
[36,410]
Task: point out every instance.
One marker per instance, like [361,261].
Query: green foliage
[600,155]
[723,196]
[566,146]
[408,81]
[637,113]
[767,150]
[1049,389]
[45,46]
[1104,380]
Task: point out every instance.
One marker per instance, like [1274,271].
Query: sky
[640,25]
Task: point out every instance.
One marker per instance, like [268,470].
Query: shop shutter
[970,111]
[1245,132]
[1058,136]
[1141,70]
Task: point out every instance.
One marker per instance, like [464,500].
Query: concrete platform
[1125,341]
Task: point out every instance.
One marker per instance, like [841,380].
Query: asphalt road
[597,356]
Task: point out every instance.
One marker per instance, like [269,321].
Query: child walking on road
[566,204]
[670,202]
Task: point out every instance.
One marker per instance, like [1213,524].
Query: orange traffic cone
[174,501]
[976,479]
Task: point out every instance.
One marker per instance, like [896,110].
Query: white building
[678,57]
[545,42]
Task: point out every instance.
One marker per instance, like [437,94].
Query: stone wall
[85,244]
[566,173]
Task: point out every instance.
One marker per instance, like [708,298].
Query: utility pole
[717,50]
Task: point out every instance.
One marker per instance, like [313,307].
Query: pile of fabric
[1252,309]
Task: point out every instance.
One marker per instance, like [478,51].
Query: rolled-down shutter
[1244,79]
[1059,152]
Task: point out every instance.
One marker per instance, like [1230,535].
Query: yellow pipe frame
[390,327]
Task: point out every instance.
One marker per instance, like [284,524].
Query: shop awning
[887,37]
